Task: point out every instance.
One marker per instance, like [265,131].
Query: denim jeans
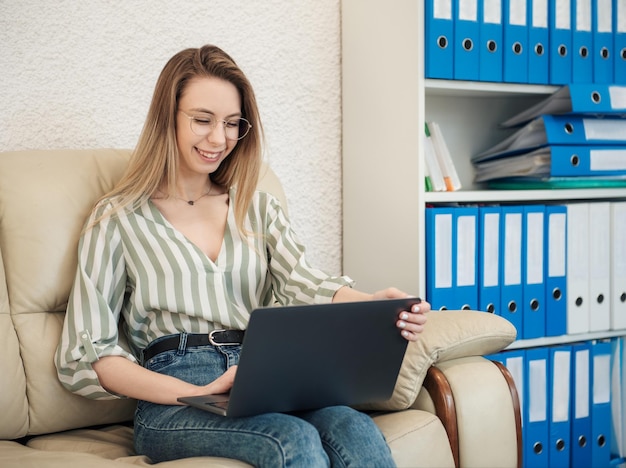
[333,436]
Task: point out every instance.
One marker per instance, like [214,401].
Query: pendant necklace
[193,202]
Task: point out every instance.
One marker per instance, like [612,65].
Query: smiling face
[218,99]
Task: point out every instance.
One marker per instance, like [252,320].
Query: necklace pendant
[190,202]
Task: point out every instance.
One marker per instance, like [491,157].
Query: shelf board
[556,340]
[504,196]
[477,89]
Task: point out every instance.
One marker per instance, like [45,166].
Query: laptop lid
[304,357]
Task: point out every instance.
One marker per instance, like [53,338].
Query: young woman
[185,245]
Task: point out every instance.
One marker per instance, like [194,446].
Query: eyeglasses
[203,124]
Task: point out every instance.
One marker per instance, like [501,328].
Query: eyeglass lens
[234,129]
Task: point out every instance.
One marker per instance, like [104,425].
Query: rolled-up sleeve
[294,280]
[90,330]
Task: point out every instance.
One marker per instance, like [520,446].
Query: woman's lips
[209,156]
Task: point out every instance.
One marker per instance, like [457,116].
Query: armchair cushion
[448,335]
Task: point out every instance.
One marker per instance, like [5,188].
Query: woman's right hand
[223,383]
[121,376]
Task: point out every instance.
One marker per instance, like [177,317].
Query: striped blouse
[138,265]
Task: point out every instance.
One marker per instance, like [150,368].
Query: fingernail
[416,308]
[402,324]
[405,333]
[404,316]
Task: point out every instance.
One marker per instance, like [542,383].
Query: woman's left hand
[411,322]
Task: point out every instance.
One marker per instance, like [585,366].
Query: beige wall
[80,73]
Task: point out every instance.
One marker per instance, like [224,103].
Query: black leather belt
[215,338]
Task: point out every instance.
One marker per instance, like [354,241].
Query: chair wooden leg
[440,392]
[516,405]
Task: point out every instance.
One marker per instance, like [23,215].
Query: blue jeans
[335,436]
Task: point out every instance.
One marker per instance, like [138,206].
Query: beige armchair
[451,406]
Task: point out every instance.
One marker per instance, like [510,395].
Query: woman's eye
[232,123]
[202,121]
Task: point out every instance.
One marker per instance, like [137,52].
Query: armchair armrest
[478,404]
[444,372]
[447,335]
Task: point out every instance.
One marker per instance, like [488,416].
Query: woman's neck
[192,188]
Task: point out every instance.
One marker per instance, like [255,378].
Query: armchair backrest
[45,197]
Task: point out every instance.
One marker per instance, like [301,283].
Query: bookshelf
[386,101]
[521,196]
[565,339]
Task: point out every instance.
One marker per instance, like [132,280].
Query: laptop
[297,358]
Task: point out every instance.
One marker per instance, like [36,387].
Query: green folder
[557,183]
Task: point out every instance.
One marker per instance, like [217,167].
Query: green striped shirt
[137,265]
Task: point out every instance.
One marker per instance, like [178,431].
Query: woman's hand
[124,377]
[411,322]
[222,384]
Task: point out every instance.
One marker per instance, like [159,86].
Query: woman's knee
[295,441]
[264,440]
[340,418]
[350,437]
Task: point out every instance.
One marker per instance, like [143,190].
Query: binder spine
[602,41]
[439,39]
[574,161]
[618,265]
[560,42]
[439,256]
[489,265]
[560,406]
[619,44]
[511,253]
[601,403]
[599,266]
[581,406]
[491,37]
[556,270]
[582,42]
[538,42]
[465,252]
[515,53]
[466,40]
[534,308]
[578,268]
[535,452]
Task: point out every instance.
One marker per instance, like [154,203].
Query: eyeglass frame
[216,121]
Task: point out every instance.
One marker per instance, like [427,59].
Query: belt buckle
[215,343]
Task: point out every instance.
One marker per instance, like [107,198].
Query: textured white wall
[80,74]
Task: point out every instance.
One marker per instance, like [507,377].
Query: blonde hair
[154,162]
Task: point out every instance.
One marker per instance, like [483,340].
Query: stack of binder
[526,41]
[551,270]
[570,396]
[576,137]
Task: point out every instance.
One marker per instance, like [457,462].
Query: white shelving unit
[386,101]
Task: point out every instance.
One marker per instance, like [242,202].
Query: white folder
[432,165]
[618,265]
[599,266]
[577,268]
